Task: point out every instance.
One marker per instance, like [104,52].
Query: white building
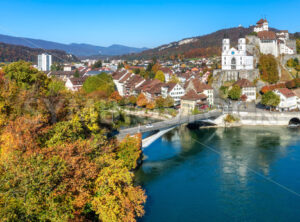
[288,100]
[271,42]
[44,62]
[268,43]
[175,90]
[248,89]
[74,84]
[261,25]
[236,59]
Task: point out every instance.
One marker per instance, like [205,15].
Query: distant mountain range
[73,48]
[13,53]
[206,45]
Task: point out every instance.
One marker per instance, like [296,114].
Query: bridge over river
[165,126]
[216,117]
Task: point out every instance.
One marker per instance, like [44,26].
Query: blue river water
[217,174]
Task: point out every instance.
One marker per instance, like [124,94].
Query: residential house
[200,88]
[174,90]
[297,93]
[288,100]
[191,101]
[248,89]
[74,84]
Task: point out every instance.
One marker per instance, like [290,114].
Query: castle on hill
[273,43]
[240,62]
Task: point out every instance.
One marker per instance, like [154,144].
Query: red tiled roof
[261,21]
[170,85]
[119,74]
[266,35]
[193,96]
[199,86]
[126,77]
[286,92]
[244,83]
[166,70]
[78,81]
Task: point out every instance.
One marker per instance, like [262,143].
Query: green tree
[56,67]
[235,92]
[102,82]
[270,99]
[224,92]
[120,65]
[160,76]
[298,45]
[97,64]
[76,74]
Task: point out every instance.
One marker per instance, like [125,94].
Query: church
[236,59]
[236,62]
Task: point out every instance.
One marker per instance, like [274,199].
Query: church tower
[242,44]
[226,44]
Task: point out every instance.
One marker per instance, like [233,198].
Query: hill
[206,45]
[73,48]
[12,53]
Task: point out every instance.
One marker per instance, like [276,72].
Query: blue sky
[139,23]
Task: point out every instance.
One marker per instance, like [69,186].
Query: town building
[174,90]
[201,88]
[288,100]
[248,89]
[274,43]
[44,62]
[261,25]
[191,101]
[75,84]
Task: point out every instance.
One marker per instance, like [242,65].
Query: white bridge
[257,117]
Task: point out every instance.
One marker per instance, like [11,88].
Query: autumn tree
[150,105]
[132,100]
[169,101]
[115,96]
[54,170]
[130,151]
[156,67]
[141,100]
[159,102]
[174,79]
[116,198]
[160,76]
[268,68]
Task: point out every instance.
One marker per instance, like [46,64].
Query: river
[217,174]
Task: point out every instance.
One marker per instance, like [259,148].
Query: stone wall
[262,118]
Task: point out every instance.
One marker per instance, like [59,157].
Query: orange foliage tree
[141,100]
[115,96]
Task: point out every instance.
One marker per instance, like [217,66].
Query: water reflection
[221,168]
